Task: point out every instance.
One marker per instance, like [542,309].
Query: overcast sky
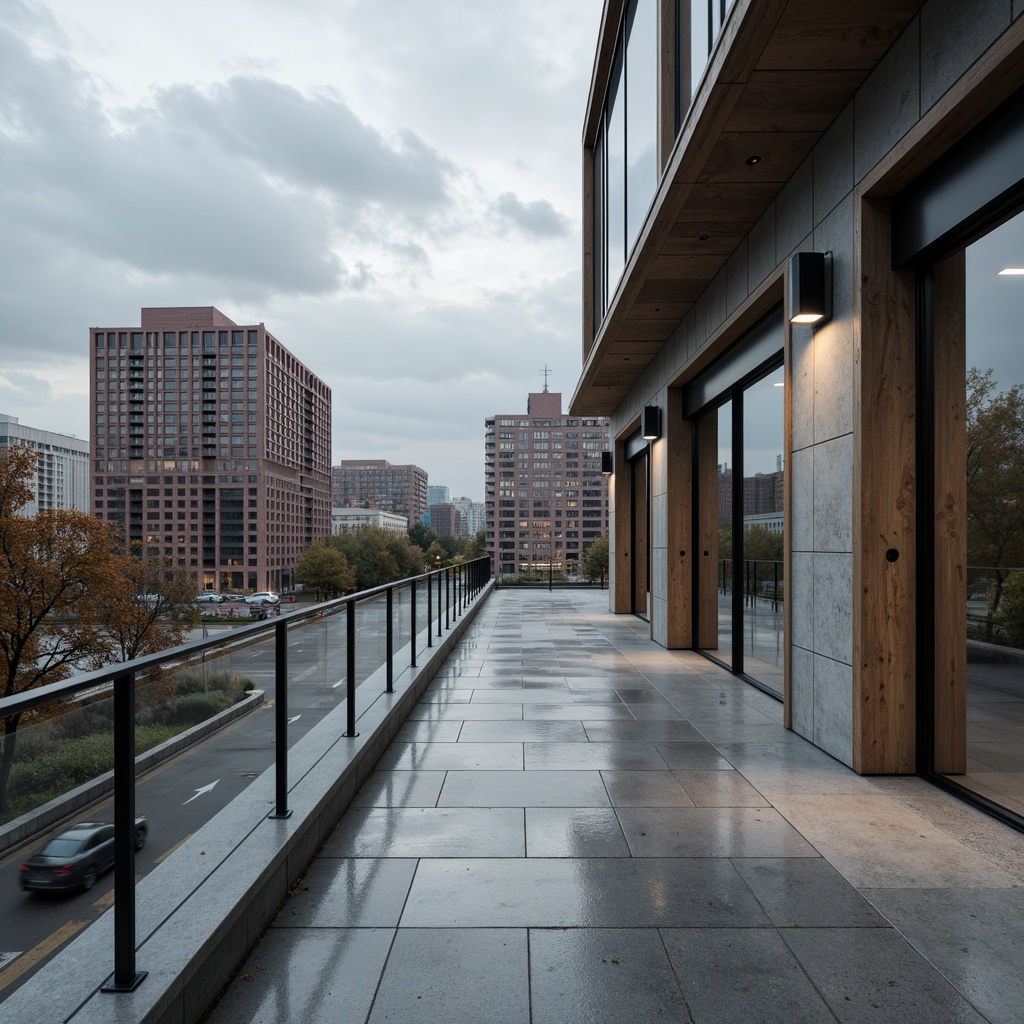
[392,186]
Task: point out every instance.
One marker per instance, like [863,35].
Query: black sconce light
[810,287]
[606,463]
[650,423]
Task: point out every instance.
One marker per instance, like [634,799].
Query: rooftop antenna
[546,373]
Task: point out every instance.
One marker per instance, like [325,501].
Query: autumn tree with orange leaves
[66,597]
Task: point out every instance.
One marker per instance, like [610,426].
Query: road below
[182,794]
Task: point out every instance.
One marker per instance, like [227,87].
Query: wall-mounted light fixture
[606,463]
[650,423]
[810,287]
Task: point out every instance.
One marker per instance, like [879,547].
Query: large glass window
[993,269]
[625,165]
[738,408]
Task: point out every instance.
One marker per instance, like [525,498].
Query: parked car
[264,597]
[76,857]
[233,597]
[209,597]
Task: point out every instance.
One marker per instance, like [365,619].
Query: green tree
[475,547]
[378,556]
[995,478]
[325,569]
[422,535]
[595,559]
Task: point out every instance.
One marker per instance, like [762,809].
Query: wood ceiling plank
[812,34]
[684,268]
[664,290]
[741,202]
[794,100]
[674,311]
[779,153]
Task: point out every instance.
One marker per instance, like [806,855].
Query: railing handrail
[123,675]
[36,697]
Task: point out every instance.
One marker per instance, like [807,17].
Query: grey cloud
[536,218]
[317,142]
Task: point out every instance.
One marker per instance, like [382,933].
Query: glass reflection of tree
[995,484]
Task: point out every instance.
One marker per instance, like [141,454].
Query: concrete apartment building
[546,498]
[398,489]
[445,520]
[472,515]
[803,229]
[211,446]
[344,520]
[62,467]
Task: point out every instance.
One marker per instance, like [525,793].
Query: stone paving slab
[577,825]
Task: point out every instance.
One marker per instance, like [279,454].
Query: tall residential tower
[546,498]
[211,446]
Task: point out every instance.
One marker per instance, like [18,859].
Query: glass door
[641,547]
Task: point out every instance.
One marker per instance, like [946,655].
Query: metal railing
[456,587]
[762,580]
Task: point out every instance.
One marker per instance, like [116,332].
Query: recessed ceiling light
[780,384]
[1012,271]
[752,160]
[704,238]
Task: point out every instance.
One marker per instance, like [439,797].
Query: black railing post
[281,720]
[775,587]
[447,597]
[412,624]
[125,977]
[390,635]
[430,613]
[439,604]
[350,669]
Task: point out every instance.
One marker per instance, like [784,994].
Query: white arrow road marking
[295,719]
[201,791]
[6,958]
[340,682]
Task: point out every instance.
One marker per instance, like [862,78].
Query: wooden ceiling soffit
[794,100]
[659,290]
[812,34]
[777,154]
[654,331]
[674,311]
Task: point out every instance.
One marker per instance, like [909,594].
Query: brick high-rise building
[400,489]
[546,498]
[210,446]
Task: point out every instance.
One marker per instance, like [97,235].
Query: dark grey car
[75,858]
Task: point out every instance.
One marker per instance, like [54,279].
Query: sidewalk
[577,825]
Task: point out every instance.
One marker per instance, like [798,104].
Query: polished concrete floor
[576,825]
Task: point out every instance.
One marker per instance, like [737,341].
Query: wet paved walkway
[577,825]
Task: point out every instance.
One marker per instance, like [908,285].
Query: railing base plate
[131,986]
[274,814]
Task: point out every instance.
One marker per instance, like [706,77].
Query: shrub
[1010,617]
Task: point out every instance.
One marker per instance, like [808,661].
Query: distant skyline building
[438,494]
[344,520]
[472,514]
[62,466]
[546,499]
[210,445]
[444,520]
[375,483]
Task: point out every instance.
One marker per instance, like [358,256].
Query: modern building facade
[721,140]
[438,494]
[444,520]
[345,519]
[375,483]
[210,446]
[62,465]
[546,498]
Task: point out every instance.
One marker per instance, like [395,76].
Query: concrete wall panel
[832,502]
[954,34]
[889,102]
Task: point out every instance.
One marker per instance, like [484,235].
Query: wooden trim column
[678,522]
[622,482]
[949,356]
[707,531]
[884,509]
